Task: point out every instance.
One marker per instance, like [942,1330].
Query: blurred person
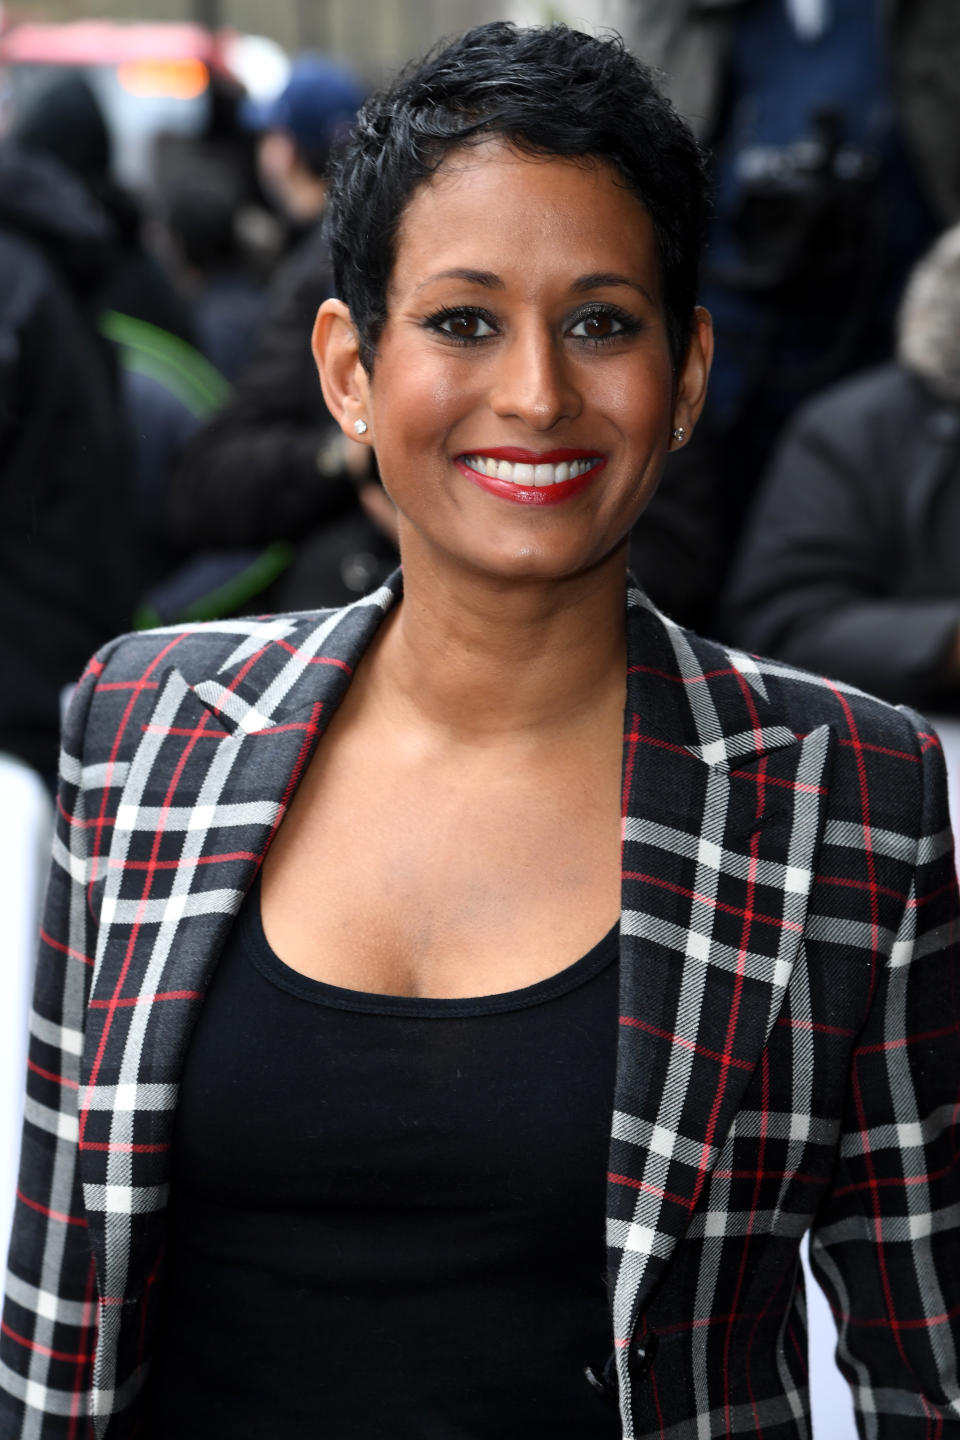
[168,388]
[65,120]
[227,302]
[494,981]
[65,464]
[834,127]
[272,467]
[851,562]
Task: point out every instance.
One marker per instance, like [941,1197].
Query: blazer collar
[722,816]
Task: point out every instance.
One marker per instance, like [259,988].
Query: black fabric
[368,1197]
[851,566]
[252,475]
[65,458]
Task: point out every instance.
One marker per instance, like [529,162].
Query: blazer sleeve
[886,1246]
[49,1317]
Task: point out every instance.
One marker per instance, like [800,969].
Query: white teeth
[528,475]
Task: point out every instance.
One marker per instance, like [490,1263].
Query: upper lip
[517,456]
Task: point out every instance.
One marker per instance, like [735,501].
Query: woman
[338,1162]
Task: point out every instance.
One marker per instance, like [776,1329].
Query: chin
[526,561]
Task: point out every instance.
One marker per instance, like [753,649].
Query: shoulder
[122,681]
[885,777]
[801,700]
[849,413]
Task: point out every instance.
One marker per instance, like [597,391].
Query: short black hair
[548,91]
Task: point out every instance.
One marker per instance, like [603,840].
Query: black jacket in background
[257,473]
[65,585]
[851,565]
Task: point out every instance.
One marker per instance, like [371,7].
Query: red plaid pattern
[788,1055]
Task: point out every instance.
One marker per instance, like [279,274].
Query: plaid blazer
[788,1046]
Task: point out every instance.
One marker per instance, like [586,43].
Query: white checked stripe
[917,1134]
[694,846]
[44,1302]
[76,865]
[62,1123]
[847,835]
[247,717]
[815,1129]
[700,946]
[170,909]
[61,1037]
[43,1399]
[891,1229]
[140,1096]
[659,1139]
[743,745]
[196,817]
[125,1199]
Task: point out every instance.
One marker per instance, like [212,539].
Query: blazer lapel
[722,820]
[216,766]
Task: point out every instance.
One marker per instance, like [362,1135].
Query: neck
[483,658]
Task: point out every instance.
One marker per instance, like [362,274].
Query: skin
[458,831]
[286,176]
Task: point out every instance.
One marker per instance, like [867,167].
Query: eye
[462,324]
[603,323]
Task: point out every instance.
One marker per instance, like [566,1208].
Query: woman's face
[523,399]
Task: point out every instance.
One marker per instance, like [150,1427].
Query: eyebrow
[486,278]
[596,280]
[601,279]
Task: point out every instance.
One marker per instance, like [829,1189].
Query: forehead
[492,208]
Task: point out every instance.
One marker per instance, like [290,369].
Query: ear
[345,383]
[694,373]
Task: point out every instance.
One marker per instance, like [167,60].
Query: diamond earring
[360,426]
[679,434]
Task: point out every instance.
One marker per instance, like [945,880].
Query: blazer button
[603,1378]
[643,1352]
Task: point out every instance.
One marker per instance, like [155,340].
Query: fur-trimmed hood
[929,324]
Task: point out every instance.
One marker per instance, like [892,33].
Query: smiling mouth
[531,476]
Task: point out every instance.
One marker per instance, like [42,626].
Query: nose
[534,380]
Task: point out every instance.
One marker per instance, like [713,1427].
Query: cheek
[643,402]
[419,403]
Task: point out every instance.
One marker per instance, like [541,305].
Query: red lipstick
[538,495]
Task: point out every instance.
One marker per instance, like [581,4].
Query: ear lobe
[337,355]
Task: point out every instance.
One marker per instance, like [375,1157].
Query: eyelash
[449,312]
[628,324]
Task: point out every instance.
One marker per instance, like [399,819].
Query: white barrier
[24,849]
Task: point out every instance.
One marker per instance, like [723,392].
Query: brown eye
[600,325]
[462,325]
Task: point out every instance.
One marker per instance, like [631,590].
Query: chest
[406,870]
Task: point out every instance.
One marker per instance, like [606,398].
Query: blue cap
[317,106]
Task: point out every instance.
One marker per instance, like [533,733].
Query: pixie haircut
[548,91]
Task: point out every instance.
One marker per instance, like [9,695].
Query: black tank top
[387,1214]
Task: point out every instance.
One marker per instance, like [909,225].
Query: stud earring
[679,434]
[360,426]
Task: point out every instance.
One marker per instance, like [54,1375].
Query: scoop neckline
[338,997]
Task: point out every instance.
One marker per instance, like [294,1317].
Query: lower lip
[532,494]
